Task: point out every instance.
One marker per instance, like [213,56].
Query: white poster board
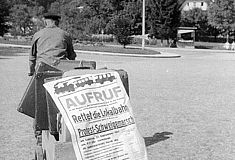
[98,114]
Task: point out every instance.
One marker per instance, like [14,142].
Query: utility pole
[143,25]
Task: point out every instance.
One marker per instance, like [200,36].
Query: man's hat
[52,16]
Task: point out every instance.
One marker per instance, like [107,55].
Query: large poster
[98,114]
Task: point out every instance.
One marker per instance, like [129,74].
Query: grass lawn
[113,49]
[10,51]
[209,45]
[15,42]
[118,49]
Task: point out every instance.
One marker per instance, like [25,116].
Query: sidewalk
[162,55]
[194,50]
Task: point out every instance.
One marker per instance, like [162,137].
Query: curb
[14,45]
[164,55]
[196,50]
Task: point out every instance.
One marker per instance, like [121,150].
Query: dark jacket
[50,45]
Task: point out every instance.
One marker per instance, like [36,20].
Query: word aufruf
[93,97]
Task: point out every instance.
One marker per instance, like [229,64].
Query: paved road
[184,107]
[16,140]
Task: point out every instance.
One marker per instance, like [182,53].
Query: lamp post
[143,25]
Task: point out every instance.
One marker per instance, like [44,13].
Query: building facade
[190,4]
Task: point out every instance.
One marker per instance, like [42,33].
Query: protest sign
[98,114]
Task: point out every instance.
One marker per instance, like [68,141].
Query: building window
[202,3]
[194,4]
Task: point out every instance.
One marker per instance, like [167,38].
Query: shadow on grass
[4,58]
[157,137]
[204,47]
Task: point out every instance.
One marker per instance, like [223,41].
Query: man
[50,44]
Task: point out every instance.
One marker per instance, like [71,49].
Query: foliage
[14,2]
[138,41]
[21,19]
[55,7]
[120,27]
[25,17]
[117,5]
[133,11]
[198,18]
[195,18]
[73,21]
[44,3]
[36,13]
[102,38]
[97,13]
[163,18]
[221,15]
[4,12]
[83,18]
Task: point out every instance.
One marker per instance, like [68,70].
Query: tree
[44,3]
[84,17]
[163,18]
[133,11]
[221,15]
[73,21]
[55,7]
[20,18]
[14,2]
[117,5]
[195,18]
[120,26]
[4,13]
[97,13]
[36,13]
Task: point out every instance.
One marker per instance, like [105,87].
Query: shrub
[150,41]
[102,38]
[120,27]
